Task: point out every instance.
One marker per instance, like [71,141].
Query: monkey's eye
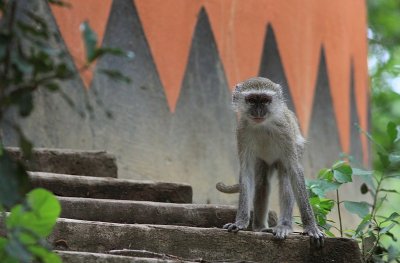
[251,100]
[266,100]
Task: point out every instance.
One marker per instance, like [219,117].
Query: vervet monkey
[268,139]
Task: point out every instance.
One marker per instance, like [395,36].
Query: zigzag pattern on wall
[301,29]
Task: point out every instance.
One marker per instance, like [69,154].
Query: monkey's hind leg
[286,203]
[263,174]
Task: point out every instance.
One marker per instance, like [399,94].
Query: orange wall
[301,27]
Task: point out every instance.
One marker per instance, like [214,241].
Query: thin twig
[340,217]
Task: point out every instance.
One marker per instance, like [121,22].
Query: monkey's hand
[235,227]
[317,237]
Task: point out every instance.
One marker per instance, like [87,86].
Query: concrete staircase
[105,219]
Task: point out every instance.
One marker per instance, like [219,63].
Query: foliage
[374,226]
[384,39]
[384,69]
[31,61]
[28,224]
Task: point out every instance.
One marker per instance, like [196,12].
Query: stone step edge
[146,212]
[68,161]
[149,254]
[89,257]
[112,188]
[193,243]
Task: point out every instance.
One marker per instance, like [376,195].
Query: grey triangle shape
[271,65]
[204,123]
[323,144]
[355,143]
[137,132]
[53,119]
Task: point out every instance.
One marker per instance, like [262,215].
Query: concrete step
[111,188]
[139,212]
[87,257]
[192,243]
[66,161]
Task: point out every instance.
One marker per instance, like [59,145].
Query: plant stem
[373,211]
[371,252]
[373,218]
[340,217]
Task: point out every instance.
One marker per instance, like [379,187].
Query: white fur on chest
[265,144]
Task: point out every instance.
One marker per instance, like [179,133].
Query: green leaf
[364,189]
[392,236]
[342,172]
[63,71]
[3,242]
[394,158]
[326,174]
[25,145]
[14,181]
[320,187]
[60,3]
[101,51]
[391,130]
[342,166]
[387,228]
[32,30]
[25,103]
[393,175]
[393,216]
[393,253]
[115,75]
[380,201]
[384,158]
[341,177]
[52,86]
[359,208]
[43,62]
[43,211]
[89,40]
[389,190]
[364,223]
[17,250]
[328,233]
[44,254]
[362,173]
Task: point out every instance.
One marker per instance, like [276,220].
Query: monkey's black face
[258,106]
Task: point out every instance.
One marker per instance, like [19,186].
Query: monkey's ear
[280,92]
[236,92]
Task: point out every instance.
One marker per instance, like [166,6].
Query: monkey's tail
[228,189]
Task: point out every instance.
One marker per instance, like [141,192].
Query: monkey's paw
[234,227]
[280,232]
[317,237]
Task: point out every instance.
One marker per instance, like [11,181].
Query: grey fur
[272,143]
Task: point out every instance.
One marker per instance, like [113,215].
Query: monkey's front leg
[307,215]
[243,212]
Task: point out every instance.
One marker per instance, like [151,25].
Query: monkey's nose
[261,113]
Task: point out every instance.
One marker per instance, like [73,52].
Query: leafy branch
[29,63]
[374,227]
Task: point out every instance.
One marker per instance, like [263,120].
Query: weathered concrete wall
[173,126]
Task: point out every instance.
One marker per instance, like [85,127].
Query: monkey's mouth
[258,119]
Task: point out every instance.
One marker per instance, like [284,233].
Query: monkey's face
[260,105]
[257,99]
[257,106]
